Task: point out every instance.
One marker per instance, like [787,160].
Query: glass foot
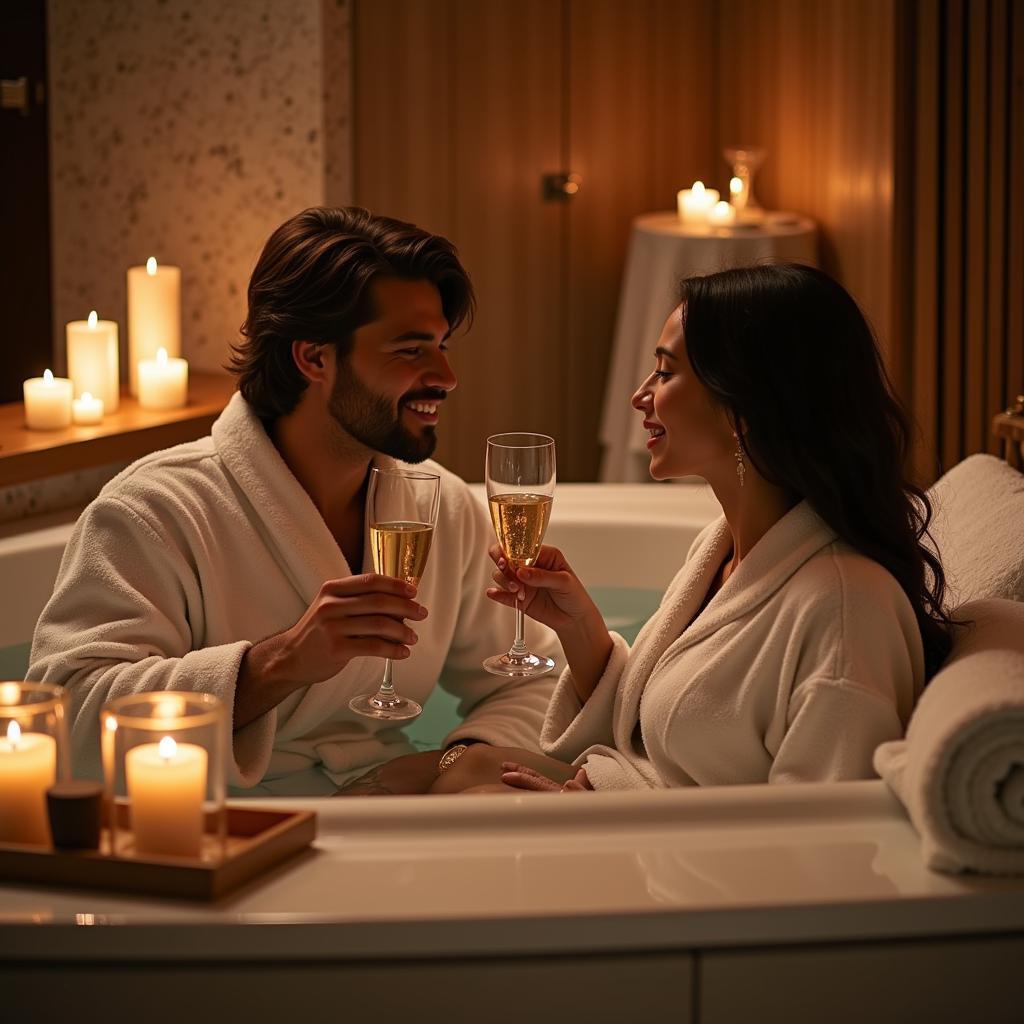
[390,710]
[518,666]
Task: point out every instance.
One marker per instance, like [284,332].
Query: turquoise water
[625,609]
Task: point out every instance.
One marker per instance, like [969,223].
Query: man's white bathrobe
[804,661]
[193,554]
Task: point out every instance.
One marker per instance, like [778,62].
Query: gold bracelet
[450,756]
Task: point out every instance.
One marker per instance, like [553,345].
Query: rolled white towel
[960,770]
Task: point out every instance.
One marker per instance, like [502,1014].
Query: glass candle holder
[33,756]
[165,774]
[745,161]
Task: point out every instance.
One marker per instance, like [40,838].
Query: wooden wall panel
[639,127]
[812,82]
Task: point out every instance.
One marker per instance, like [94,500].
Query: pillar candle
[28,767]
[154,315]
[163,382]
[166,787]
[93,360]
[47,402]
[694,204]
[721,214]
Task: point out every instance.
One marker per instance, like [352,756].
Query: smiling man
[238,564]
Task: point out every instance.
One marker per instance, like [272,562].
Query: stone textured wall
[186,130]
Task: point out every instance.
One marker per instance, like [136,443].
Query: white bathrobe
[804,661]
[192,555]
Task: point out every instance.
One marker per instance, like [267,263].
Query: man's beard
[369,418]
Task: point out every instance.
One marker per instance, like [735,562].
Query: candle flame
[9,693]
[151,266]
[698,188]
[47,376]
[92,320]
[14,733]
[735,186]
[167,748]
[86,397]
[110,724]
[161,356]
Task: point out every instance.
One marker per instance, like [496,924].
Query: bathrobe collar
[293,526]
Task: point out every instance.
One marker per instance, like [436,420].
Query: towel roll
[960,770]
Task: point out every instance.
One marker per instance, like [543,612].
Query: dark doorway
[26,318]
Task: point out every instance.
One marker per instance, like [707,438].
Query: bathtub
[713,905]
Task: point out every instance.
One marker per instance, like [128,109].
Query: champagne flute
[402,507]
[520,473]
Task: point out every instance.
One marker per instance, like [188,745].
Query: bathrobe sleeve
[499,711]
[122,620]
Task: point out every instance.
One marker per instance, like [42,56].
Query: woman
[806,620]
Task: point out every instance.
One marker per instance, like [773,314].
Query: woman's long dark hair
[788,353]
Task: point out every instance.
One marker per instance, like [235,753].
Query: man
[237,564]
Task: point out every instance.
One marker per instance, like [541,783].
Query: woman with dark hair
[806,620]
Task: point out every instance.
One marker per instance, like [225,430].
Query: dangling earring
[741,467]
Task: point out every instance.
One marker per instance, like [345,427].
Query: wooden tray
[257,840]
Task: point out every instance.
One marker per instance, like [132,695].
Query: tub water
[626,541]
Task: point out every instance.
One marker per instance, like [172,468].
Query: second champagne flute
[402,506]
[520,473]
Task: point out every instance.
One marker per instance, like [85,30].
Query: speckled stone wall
[186,130]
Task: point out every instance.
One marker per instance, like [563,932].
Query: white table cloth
[662,250]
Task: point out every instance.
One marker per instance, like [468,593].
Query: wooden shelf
[125,435]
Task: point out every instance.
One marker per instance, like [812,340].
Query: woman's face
[687,432]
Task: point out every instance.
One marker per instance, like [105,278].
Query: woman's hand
[519,776]
[549,591]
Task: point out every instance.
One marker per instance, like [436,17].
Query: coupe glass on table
[402,507]
[520,475]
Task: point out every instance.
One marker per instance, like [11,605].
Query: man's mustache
[430,395]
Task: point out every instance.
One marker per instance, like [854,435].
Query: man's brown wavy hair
[312,283]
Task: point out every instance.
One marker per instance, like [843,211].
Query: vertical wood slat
[1015,207]
[976,209]
[951,282]
[998,285]
[925,260]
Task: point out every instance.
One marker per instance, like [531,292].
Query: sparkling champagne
[519,522]
[400,549]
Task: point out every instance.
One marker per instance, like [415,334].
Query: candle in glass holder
[92,359]
[87,411]
[166,787]
[694,204]
[154,315]
[47,402]
[28,767]
[163,382]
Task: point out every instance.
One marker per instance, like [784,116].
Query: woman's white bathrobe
[804,661]
[193,554]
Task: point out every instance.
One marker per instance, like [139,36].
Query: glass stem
[387,688]
[519,648]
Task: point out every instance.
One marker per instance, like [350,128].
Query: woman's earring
[741,467]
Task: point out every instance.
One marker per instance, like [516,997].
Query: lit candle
[87,411]
[737,192]
[47,402]
[154,314]
[163,382]
[28,767]
[694,204]
[92,359]
[166,786]
[721,214]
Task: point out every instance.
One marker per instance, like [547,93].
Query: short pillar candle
[163,382]
[47,402]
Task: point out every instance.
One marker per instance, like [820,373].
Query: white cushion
[979,529]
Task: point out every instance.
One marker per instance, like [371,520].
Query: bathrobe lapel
[772,561]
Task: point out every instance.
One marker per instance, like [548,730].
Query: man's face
[388,392]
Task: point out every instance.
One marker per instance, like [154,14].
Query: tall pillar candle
[93,359]
[166,786]
[28,767]
[154,315]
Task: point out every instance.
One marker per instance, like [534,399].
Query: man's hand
[408,775]
[358,617]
